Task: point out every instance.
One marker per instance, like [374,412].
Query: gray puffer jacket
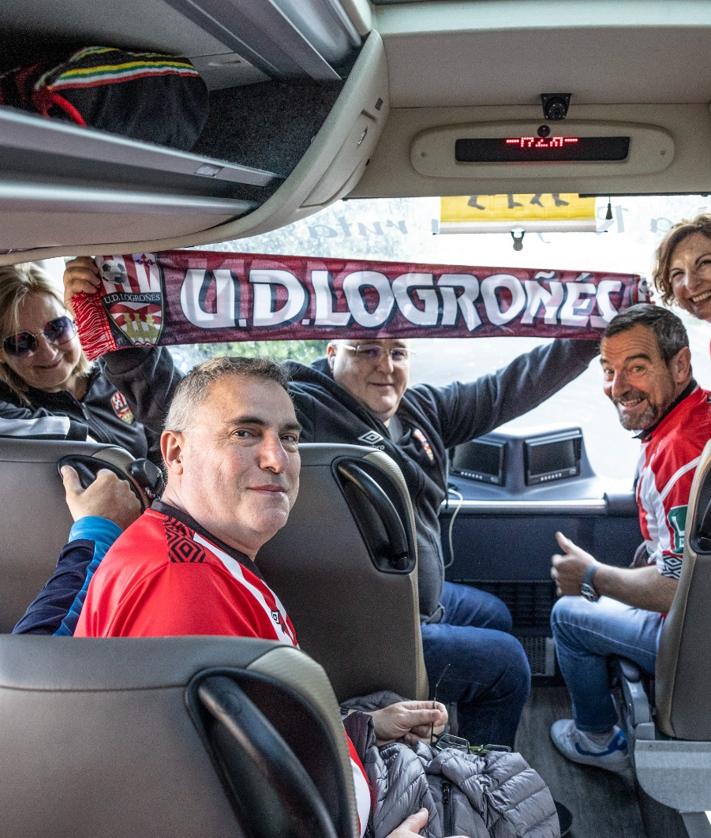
[492,794]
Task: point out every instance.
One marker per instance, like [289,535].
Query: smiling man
[230,447]
[360,394]
[610,610]
[186,566]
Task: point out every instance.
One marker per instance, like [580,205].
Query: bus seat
[179,736]
[671,747]
[35,518]
[351,532]
[345,567]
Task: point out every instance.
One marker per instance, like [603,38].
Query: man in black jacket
[359,394]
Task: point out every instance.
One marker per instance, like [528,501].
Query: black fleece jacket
[432,420]
[104,414]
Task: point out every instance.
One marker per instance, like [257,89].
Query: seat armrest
[629,671]
[636,709]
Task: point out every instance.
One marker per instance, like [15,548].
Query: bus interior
[320,111]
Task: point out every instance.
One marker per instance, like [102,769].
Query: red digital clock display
[536,149]
[541,142]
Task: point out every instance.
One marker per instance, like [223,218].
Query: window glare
[404,230]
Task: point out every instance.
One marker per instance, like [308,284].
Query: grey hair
[193,389]
[667,327]
[17,283]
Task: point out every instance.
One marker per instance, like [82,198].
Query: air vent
[540,652]
[530,602]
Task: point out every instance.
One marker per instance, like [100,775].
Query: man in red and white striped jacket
[186,566]
[610,610]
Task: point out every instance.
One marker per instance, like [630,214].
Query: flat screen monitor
[552,458]
[479,460]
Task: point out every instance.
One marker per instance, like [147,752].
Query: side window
[403,230]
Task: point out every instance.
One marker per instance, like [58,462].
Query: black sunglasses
[58,331]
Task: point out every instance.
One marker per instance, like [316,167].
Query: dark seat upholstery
[136,737]
[345,568]
[34,518]
[345,564]
[144,737]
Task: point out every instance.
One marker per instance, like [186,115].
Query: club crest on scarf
[133,297]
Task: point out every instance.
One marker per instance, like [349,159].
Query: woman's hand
[410,827]
[81,275]
[408,720]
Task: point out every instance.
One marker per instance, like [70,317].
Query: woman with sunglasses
[48,389]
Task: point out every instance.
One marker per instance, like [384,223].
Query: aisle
[603,805]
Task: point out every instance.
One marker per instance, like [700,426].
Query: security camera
[555,105]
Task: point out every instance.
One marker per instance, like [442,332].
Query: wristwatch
[587,589]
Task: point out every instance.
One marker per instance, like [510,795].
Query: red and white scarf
[152,299]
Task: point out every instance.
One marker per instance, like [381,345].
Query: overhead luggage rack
[59,148]
[298,98]
[281,38]
[52,166]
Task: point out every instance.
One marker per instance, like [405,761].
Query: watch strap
[589,575]
[587,589]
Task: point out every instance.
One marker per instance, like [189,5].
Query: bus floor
[603,805]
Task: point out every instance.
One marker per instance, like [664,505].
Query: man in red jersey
[231,453]
[186,566]
[610,610]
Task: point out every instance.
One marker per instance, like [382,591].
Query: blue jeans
[586,633]
[488,676]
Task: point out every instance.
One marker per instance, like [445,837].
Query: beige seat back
[143,737]
[34,519]
[345,568]
[683,671]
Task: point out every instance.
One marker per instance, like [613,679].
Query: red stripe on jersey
[364,794]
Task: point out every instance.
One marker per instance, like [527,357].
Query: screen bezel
[466,469]
[566,467]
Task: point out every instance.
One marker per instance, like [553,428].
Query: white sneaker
[576,746]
